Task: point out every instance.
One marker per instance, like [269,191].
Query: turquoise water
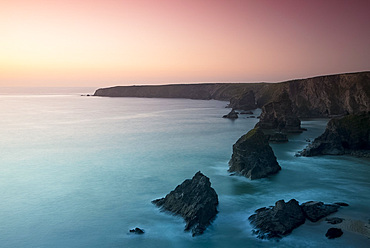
[81,171]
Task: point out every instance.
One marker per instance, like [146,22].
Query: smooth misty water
[81,171]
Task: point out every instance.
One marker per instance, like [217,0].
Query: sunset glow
[112,42]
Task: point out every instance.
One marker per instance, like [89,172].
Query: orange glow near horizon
[111,42]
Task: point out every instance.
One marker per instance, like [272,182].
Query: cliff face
[345,135]
[253,157]
[313,97]
[331,95]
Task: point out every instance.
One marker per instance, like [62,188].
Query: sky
[122,42]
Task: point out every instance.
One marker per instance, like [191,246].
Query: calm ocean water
[81,171]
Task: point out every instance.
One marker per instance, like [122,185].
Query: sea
[81,171]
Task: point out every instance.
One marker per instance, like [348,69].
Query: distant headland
[322,96]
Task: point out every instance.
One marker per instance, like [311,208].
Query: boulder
[333,233]
[253,157]
[346,135]
[315,211]
[231,115]
[195,200]
[276,221]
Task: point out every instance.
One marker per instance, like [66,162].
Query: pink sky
[110,42]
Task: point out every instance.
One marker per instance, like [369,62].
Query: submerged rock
[333,233]
[231,115]
[195,200]
[350,134]
[334,220]
[253,157]
[277,221]
[315,211]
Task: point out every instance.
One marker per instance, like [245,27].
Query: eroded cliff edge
[321,96]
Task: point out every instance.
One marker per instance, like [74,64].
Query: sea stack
[253,157]
[279,115]
[195,200]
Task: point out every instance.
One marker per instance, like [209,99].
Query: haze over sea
[81,171]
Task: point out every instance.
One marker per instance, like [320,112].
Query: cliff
[253,157]
[349,134]
[313,97]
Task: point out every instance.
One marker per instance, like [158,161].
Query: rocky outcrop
[253,157]
[279,115]
[281,219]
[315,211]
[232,115]
[345,135]
[195,200]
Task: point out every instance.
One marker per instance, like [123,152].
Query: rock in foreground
[279,220]
[195,200]
[253,157]
[345,135]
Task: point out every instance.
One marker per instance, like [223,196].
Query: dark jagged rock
[137,231]
[253,157]
[333,233]
[232,115]
[274,222]
[345,135]
[278,138]
[315,211]
[195,200]
[279,115]
[334,220]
